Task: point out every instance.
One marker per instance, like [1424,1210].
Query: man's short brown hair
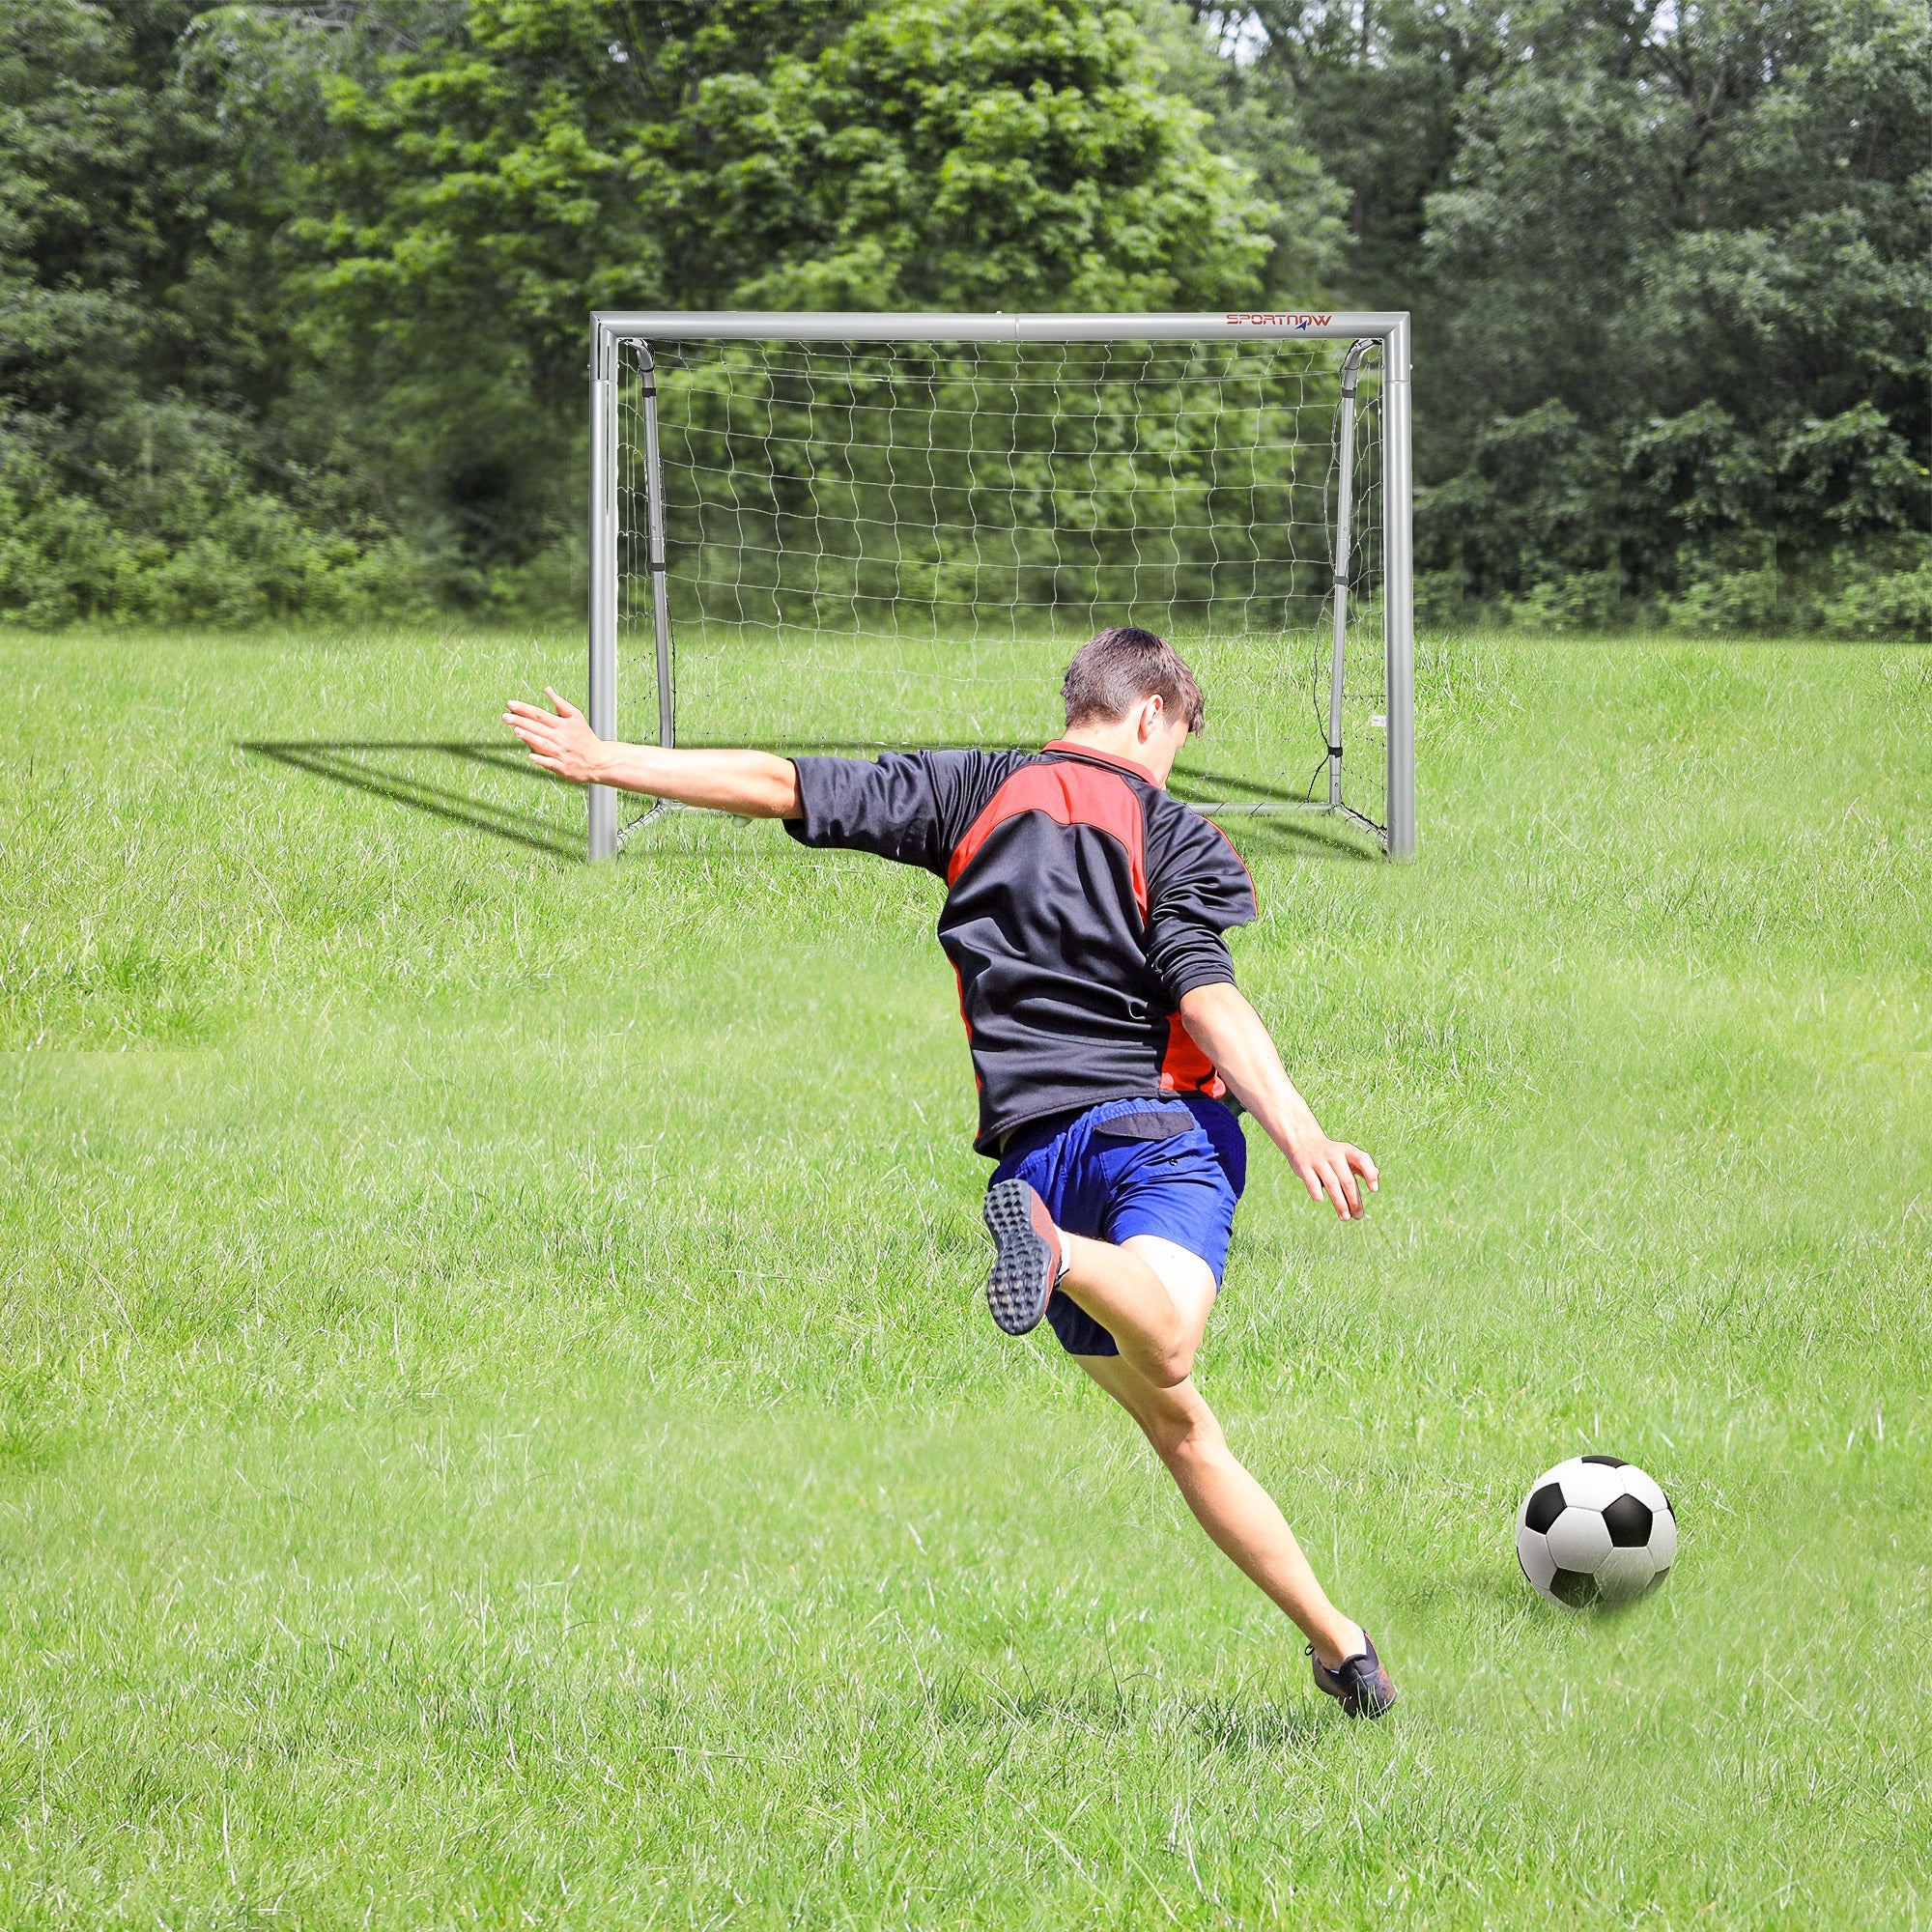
[1118,670]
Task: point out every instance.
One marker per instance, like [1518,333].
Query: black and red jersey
[1082,904]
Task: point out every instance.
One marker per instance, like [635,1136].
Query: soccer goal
[850,533]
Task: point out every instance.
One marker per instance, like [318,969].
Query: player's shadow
[369,765]
[1231,1726]
[1237,1730]
[1287,826]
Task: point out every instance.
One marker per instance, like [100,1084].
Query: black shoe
[1358,1683]
[1028,1261]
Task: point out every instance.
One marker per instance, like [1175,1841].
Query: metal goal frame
[611,328]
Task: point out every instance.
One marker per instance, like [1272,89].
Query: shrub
[183,536]
[1588,600]
[1890,596]
[1738,603]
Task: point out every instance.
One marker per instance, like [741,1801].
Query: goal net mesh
[874,545]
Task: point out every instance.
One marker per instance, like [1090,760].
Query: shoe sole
[1357,1707]
[1021,1283]
[1380,1698]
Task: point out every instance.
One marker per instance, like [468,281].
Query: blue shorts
[1173,1167]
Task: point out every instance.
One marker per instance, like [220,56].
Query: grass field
[497,1427]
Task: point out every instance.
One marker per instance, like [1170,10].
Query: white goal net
[845,543]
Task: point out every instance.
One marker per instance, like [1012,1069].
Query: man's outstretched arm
[755,785]
[1232,1035]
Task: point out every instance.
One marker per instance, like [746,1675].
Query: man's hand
[755,785]
[1230,1033]
[562,742]
[1328,1168]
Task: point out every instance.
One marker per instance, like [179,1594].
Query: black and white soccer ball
[1595,1530]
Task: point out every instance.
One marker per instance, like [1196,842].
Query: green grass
[496,1426]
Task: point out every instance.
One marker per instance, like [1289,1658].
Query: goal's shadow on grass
[1311,835]
[372,765]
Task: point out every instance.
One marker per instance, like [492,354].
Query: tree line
[293,298]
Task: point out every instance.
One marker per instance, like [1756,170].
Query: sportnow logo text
[1282,321]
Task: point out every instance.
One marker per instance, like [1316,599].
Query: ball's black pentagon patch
[1573,1588]
[1629,1522]
[1544,1507]
[1609,1461]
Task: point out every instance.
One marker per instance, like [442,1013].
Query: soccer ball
[1594,1530]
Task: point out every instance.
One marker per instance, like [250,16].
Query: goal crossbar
[611,330]
[748,325]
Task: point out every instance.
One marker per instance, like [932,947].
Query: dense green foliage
[499,1427]
[1671,266]
[293,300]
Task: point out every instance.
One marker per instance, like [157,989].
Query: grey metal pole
[603,679]
[820,326]
[1351,364]
[1399,592]
[655,520]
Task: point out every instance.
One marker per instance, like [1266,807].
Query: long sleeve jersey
[1082,904]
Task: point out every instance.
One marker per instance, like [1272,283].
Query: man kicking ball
[1084,916]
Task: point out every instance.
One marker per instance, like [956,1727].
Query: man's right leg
[1230,1505]
[1153,1297]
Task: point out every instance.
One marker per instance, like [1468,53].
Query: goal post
[854,532]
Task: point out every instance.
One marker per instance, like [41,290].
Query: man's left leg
[1123,1287]
[1152,1296]
[1114,1285]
